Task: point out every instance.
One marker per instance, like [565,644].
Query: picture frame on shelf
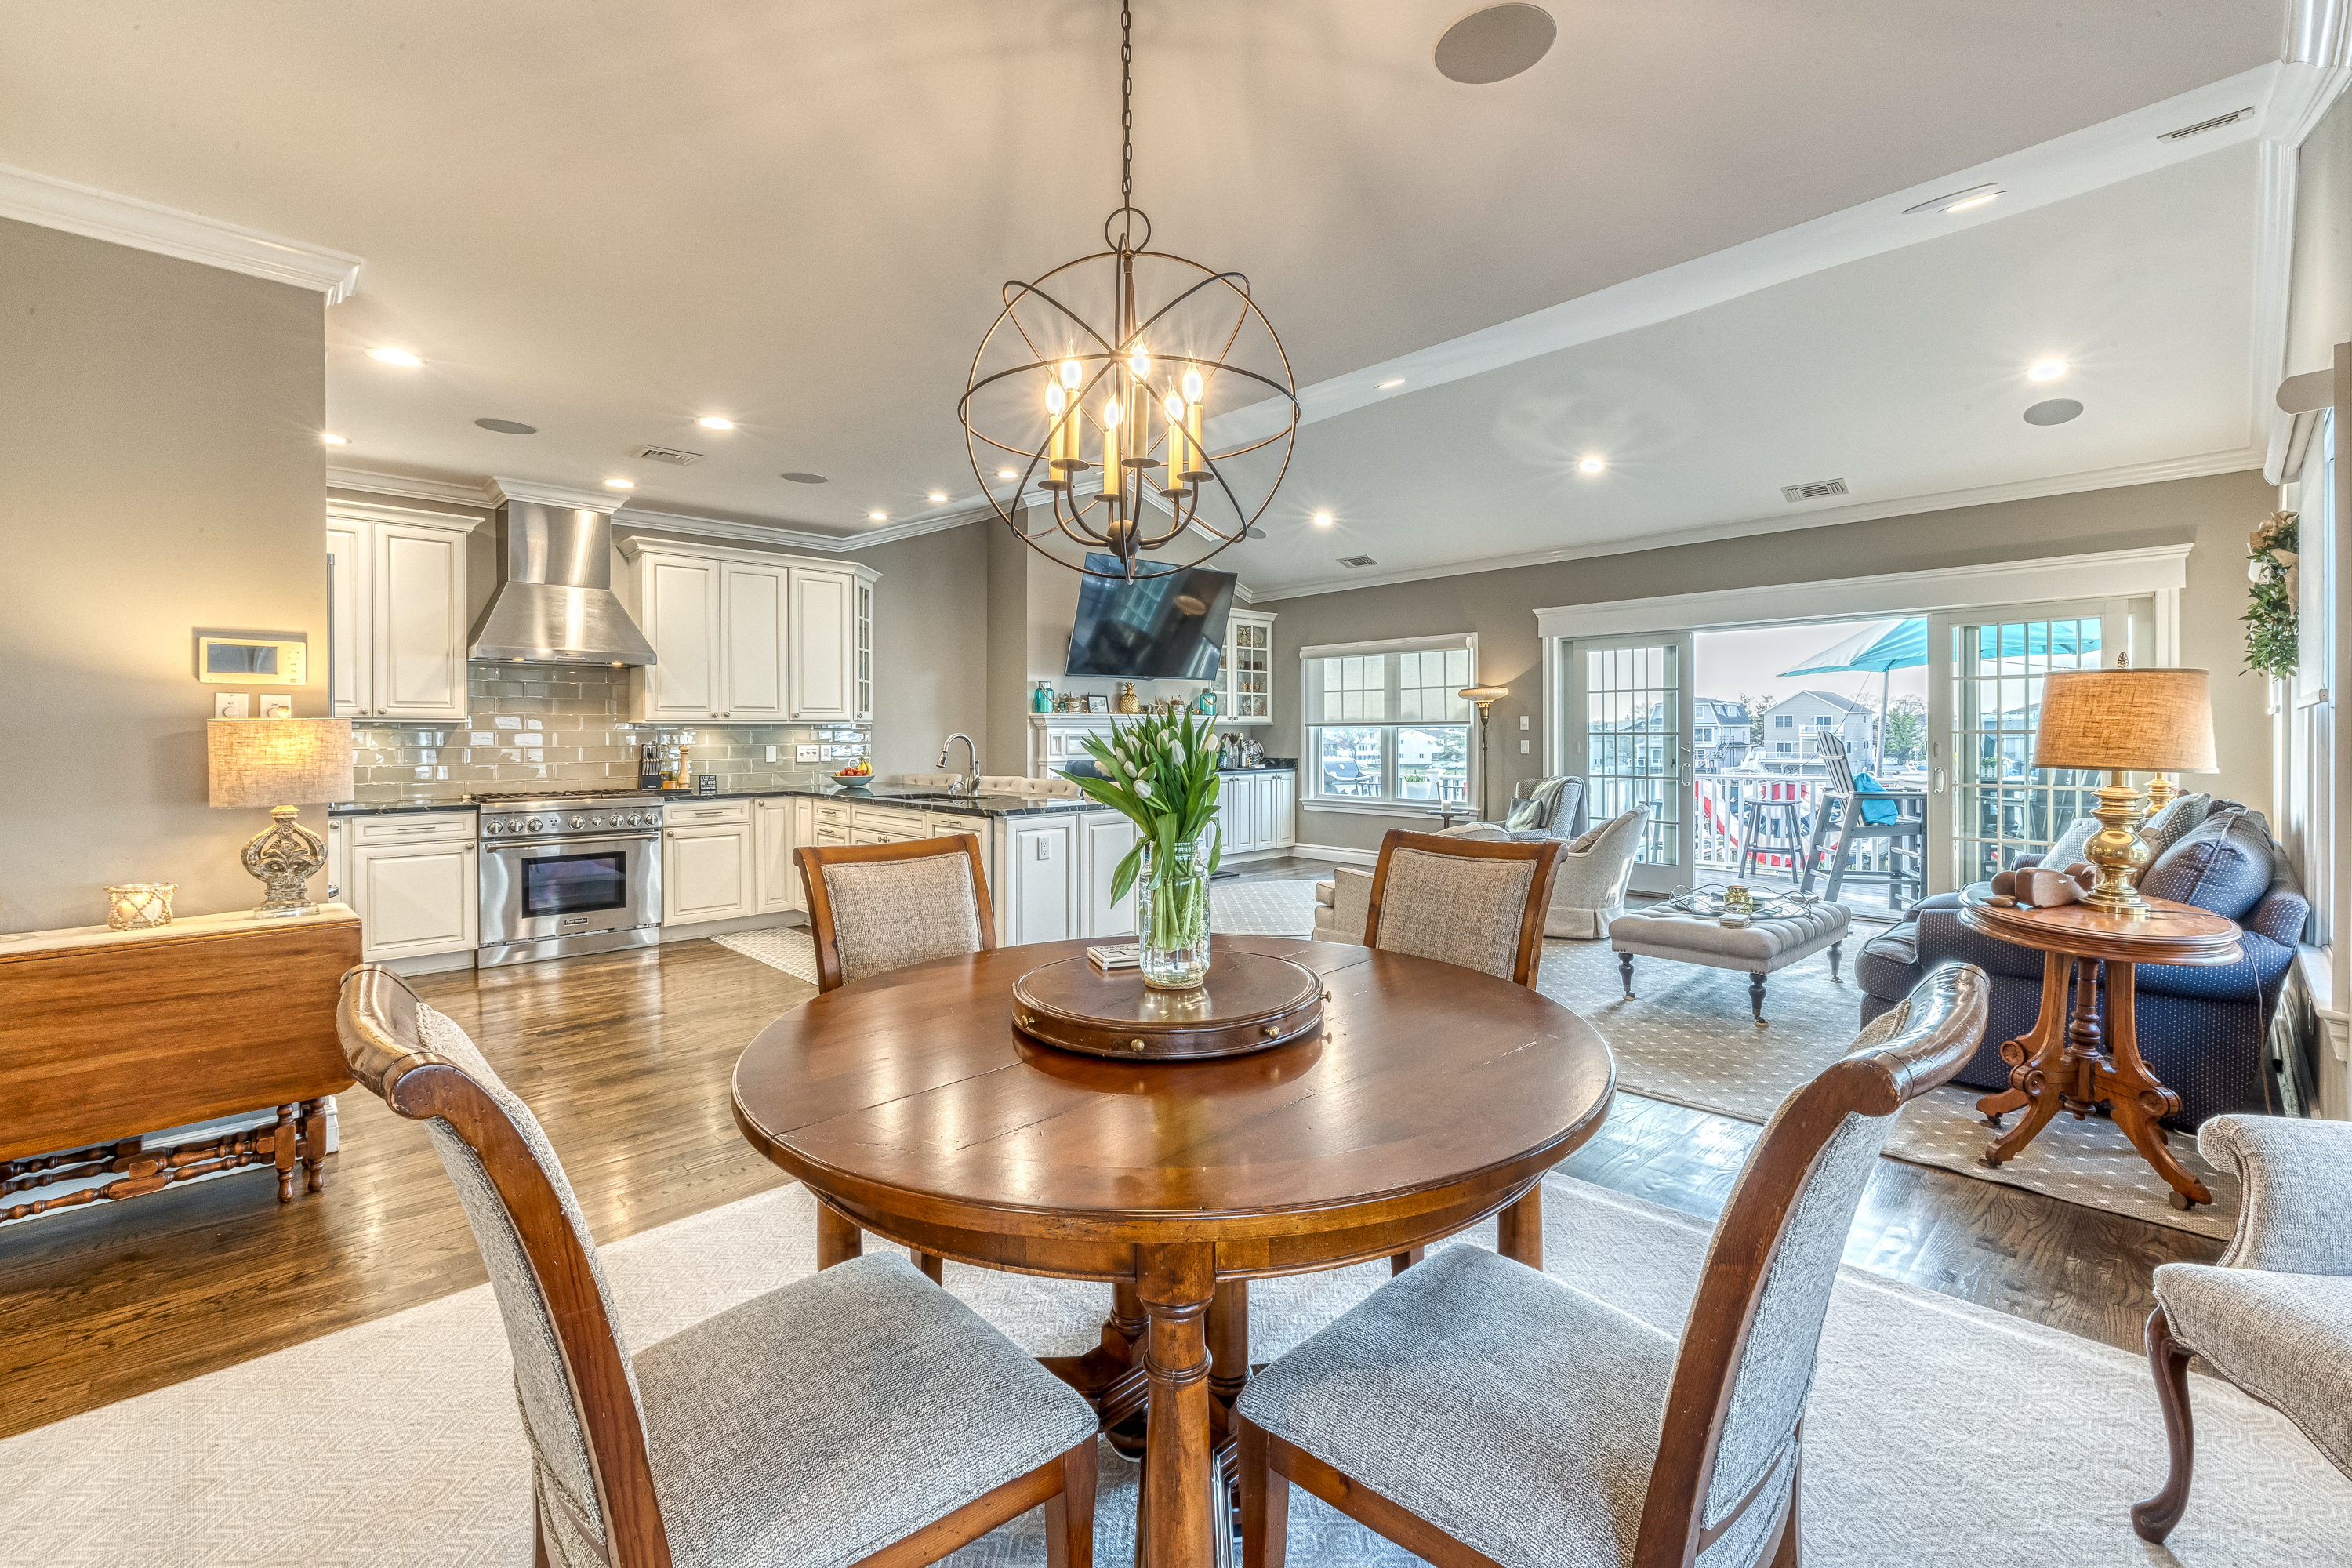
[1098,703]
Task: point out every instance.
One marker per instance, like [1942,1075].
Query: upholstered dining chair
[1477,902]
[1480,1414]
[2274,1316]
[878,907]
[861,1415]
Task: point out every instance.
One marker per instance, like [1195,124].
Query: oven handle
[503,844]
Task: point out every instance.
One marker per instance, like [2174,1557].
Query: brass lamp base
[285,856]
[2116,852]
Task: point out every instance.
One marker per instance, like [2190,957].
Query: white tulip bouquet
[1161,773]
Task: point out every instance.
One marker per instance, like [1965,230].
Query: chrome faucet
[971,781]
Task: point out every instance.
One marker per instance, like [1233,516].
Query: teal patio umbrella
[1882,646]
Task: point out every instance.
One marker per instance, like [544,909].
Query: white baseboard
[1334,852]
[430,963]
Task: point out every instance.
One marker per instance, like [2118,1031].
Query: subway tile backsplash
[567,727]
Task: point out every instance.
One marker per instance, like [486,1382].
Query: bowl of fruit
[857,776]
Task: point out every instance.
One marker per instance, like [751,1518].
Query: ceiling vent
[667,455]
[1354,560]
[2202,126]
[1814,491]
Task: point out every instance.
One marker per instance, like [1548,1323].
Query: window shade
[1414,683]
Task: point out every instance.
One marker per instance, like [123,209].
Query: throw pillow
[2069,848]
[1545,798]
[2170,826]
[1593,837]
[1878,812]
[1525,816]
[2222,866]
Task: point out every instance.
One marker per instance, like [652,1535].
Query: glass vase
[1171,917]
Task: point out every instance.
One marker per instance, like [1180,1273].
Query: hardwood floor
[625,1058]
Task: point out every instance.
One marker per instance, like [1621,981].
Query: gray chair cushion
[2222,864]
[825,1420]
[2286,1339]
[2297,1178]
[1900,945]
[1454,908]
[888,914]
[1517,1414]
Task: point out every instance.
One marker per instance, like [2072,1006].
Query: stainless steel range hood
[555,603]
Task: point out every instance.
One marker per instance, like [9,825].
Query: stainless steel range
[569,871]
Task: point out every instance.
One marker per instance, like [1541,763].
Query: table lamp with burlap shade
[284,764]
[2123,720]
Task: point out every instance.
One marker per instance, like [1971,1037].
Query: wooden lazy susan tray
[1251,1003]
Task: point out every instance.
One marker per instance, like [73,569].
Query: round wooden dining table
[1432,1097]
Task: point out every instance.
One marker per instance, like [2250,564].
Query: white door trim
[2160,571]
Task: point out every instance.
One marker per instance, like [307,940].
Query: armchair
[2275,1316]
[1587,894]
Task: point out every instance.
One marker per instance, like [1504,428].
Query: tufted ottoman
[1759,947]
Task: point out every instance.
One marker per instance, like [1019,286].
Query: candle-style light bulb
[1193,386]
[1072,374]
[1139,363]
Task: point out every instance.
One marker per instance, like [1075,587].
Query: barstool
[1787,826]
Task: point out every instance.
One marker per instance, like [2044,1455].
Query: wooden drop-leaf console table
[2075,1065]
[107,1036]
[1432,1097]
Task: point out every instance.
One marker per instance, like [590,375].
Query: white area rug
[1262,909]
[1940,1435]
[788,948]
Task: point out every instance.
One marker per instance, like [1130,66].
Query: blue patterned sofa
[2203,1031]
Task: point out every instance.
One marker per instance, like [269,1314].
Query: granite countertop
[392,807]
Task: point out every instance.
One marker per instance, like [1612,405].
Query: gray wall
[2319,302]
[160,424]
[2213,512]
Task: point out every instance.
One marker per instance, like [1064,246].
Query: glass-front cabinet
[862,702]
[1245,676]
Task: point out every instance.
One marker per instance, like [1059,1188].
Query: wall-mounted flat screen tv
[1166,625]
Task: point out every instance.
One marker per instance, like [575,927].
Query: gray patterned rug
[1940,1435]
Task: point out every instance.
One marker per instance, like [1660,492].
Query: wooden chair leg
[1814,845]
[932,1265]
[1070,1513]
[1401,1261]
[2168,1360]
[1837,856]
[1266,1500]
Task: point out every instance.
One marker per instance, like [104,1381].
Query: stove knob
[593,821]
[492,827]
[533,825]
[632,819]
[578,823]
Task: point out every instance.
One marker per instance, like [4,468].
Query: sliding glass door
[1987,803]
[1628,732]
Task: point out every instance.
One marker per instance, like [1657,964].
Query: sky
[1748,663]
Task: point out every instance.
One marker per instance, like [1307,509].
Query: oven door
[570,887]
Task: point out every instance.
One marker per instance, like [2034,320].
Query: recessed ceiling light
[1591,466]
[1007,474]
[1956,201]
[1392,381]
[394,356]
[2056,411]
[800,478]
[334,440]
[1495,44]
[2048,370]
[877,517]
[620,484]
[1322,519]
[508,426]
[712,422]
[1255,532]
[939,496]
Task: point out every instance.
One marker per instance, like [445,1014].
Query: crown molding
[94,214]
[499,490]
[414,488]
[793,538]
[2235,460]
[337,506]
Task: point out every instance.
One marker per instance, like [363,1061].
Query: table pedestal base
[2079,1065]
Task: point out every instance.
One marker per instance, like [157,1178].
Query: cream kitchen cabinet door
[1237,812]
[677,608]
[778,878]
[824,651]
[752,662]
[349,616]
[1280,797]
[1104,839]
[415,898]
[708,873]
[1040,863]
[396,646]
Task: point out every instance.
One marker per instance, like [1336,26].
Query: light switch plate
[230,704]
[1523,748]
[808,754]
[771,754]
[1523,721]
[277,707]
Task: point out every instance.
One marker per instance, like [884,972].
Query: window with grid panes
[1385,725]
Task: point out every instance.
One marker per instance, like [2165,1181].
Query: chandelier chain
[1126,105]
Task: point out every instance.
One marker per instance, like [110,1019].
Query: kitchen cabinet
[339,862]
[708,863]
[748,636]
[1104,839]
[397,612]
[414,880]
[777,878]
[1256,810]
[1040,869]
[1237,812]
[1246,674]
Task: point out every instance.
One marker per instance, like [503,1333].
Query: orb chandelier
[1143,401]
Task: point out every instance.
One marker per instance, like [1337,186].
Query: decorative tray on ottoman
[1711,902]
[1251,1003]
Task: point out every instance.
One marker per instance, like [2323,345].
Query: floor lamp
[1486,697]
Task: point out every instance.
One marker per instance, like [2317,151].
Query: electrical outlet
[771,754]
[1045,848]
[230,704]
[808,754]
[1523,748]
[1523,721]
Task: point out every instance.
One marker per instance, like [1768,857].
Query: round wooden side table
[1432,1097]
[2062,1064]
